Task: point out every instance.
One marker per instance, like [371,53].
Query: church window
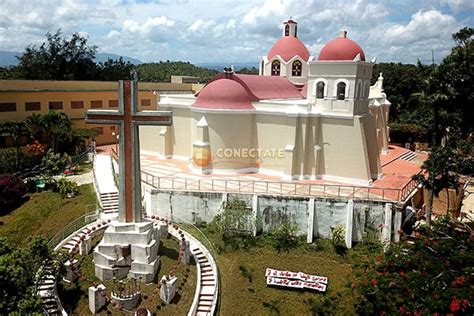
[276,68]
[341,91]
[320,90]
[296,30]
[296,69]
[287,30]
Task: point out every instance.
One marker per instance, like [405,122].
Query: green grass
[243,283]
[45,213]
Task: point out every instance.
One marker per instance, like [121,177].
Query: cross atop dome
[290,28]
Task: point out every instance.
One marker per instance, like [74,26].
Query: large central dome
[341,48]
[288,47]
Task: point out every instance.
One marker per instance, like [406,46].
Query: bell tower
[290,28]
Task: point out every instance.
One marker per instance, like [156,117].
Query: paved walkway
[104,174]
[82,179]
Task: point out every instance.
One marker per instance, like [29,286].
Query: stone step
[203,314]
[205,304]
[196,249]
[207,273]
[203,309]
[208,279]
[209,298]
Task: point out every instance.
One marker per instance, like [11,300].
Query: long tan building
[22,98]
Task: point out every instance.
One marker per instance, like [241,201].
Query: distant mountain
[220,66]
[9,59]
[102,57]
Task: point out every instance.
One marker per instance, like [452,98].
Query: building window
[359,89]
[8,107]
[341,91]
[113,103]
[96,104]
[77,104]
[296,30]
[145,102]
[287,30]
[276,68]
[55,105]
[320,90]
[296,68]
[32,106]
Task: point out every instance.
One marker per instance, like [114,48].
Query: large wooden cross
[128,118]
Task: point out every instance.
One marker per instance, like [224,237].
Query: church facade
[301,118]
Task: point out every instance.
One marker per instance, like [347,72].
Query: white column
[349,223]
[397,225]
[387,227]
[311,214]
[255,214]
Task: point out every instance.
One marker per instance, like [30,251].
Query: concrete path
[104,175]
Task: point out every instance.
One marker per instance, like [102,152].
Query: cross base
[128,249]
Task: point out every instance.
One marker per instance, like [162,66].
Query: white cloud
[458,5]
[423,25]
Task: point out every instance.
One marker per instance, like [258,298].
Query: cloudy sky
[238,30]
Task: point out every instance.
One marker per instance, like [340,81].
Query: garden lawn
[45,213]
[240,296]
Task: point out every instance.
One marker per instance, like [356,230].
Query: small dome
[288,47]
[341,48]
[223,93]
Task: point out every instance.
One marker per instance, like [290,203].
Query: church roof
[288,47]
[223,93]
[341,48]
[235,91]
[269,87]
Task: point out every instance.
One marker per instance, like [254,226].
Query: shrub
[55,163]
[429,274]
[339,239]
[66,187]
[11,191]
[284,236]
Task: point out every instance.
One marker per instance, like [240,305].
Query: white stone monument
[96,298]
[130,245]
[168,288]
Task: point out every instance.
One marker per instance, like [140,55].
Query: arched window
[287,30]
[296,68]
[320,90]
[276,68]
[296,30]
[341,91]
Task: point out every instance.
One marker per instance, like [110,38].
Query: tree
[113,70]
[16,129]
[59,129]
[19,269]
[59,59]
[11,191]
[430,274]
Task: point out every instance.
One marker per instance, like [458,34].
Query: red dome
[223,93]
[341,48]
[288,47]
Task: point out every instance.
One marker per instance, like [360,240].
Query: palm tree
[58,127]
[16,130]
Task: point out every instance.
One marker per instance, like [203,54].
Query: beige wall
[343,149]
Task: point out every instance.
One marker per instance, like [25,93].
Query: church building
[301,118]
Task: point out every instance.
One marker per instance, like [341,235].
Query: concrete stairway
[46,291]
[207,294]
[208,282]
[104,181]
[408,156]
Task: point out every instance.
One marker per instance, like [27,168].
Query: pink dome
[223,93]
[341,48]
[288,47]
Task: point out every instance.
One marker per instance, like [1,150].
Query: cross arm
[104,117]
